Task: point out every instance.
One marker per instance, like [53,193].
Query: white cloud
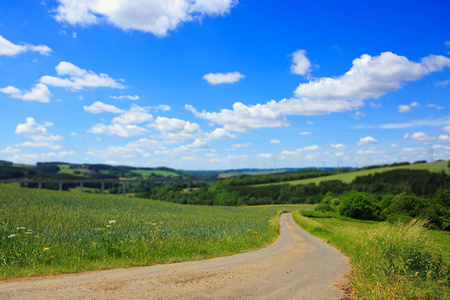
[339,154]
[73,134]
[275,142]
[100,107]
[418,136]
[272,114]
[74,35]
[305,133]
[300,151]
[407,108]
[135,115]
[310,123]
[444,139]
[374,105]
[220,133]
[75,78]
[443,83]
[129,97]
[371,77]
[413,123]
[10,150]
[39,144]
[33,158]
[154,16]
[358,114]
[9,49]
[118,130]
[264,155]
[178,130]
[237,146]
[394,146]
[446,128]
[312,148]
[366,140]
[162,107]
[220,78]
[300,63]
[39,92]
[37,132]
[197,146]
[435,106]
[338,146]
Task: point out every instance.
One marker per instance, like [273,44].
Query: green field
[49,232]
[389,261]
[348,177]
[157,172]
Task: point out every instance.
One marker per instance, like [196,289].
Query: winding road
[296,266]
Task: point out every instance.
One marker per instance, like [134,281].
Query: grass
[389,261]
[348,177]
[157,172]
[46,232]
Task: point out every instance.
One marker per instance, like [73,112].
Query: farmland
[45,232]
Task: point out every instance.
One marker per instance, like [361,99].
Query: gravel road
[296,266]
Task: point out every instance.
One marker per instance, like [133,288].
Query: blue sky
[222,84]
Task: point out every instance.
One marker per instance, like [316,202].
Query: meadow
[348,177]
[390,261]
[46,232]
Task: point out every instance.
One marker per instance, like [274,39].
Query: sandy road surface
[296,266]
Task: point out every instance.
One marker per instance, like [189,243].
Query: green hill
[348,177]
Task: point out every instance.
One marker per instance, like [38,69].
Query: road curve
[296,266]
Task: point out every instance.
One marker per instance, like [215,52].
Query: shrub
[360,206]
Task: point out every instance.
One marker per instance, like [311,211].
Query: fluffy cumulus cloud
[75,78]
[275,142]
[135,115]
[446,128]
[338,146]
[300,63]
[300,151]
[154,16]
[366,140]
[39,92]
[371,77]
[198,145]
[128,97]
[408,108]
[444,139]
[272,114]
[100,107]
[418,136]
[130,150]
[305,133]
[238,146]
[7,48]
[220,78]
[220,133]
[33,158]
[118,130]
[176,129]
[40,137]
[35,131]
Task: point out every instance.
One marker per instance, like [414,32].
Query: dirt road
[296,266]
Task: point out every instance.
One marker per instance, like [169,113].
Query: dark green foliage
[360,206]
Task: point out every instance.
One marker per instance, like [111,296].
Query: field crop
[50,232]
[389,261]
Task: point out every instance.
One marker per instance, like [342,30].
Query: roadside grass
[46,232]
[389,261]
[348,177]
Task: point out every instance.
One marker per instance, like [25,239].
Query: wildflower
[21,228]
[46,249]
[11,236]
[108,226]
[150,223]
[112,221]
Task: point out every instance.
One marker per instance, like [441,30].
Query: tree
[360,206]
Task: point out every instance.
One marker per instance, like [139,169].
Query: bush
[360,206]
